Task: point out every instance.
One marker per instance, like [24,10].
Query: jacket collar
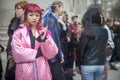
[96,25]
[55,15]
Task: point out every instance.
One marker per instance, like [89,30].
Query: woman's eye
[37,15]
[31,15]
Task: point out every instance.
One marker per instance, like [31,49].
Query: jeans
[92,72]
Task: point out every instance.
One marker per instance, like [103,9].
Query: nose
[34,17]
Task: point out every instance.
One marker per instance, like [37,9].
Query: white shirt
[110,40]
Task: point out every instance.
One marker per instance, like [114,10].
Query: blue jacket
[53,25]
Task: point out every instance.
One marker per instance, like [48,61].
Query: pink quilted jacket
[24,56]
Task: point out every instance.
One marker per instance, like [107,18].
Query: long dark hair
[91,16]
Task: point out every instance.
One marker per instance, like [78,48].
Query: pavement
[112,74]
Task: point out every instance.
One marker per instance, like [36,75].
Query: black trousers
[57,71]
[10,73]
[1,70]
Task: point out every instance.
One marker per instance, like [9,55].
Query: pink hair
[32,8]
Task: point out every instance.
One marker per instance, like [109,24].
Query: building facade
[72,7]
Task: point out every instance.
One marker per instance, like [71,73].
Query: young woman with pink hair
[32,46]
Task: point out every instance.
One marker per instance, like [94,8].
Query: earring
[27,23]
[38,24]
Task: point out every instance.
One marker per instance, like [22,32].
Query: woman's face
[19,12]
[75,20]
[60,10]
[116,22]
[33,18]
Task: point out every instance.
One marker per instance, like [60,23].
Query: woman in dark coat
[13,26]
[68,42]
[91,48]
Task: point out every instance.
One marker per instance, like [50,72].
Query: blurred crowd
[45,44]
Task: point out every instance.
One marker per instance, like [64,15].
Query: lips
[34,21]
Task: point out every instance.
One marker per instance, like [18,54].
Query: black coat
[91,51]
[14,24]
[63,40]
[116,51]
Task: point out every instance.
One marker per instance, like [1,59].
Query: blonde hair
[56,4]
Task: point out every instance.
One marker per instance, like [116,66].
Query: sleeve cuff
[40,40]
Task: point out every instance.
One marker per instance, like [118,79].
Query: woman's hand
[43,33]
[60,20]
[62,60]
[78,70]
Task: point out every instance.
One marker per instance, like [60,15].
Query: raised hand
[43,33]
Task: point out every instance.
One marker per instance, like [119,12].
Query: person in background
[43,11]
[116,52]
[109,47]
[74,28]
[92,44]
[80,30]
[1,69]
[63,32]
[63,22]
[74,24]
[65,44]
[109,23]
[14,24]
[53,25]
[32,47]
[72,43]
